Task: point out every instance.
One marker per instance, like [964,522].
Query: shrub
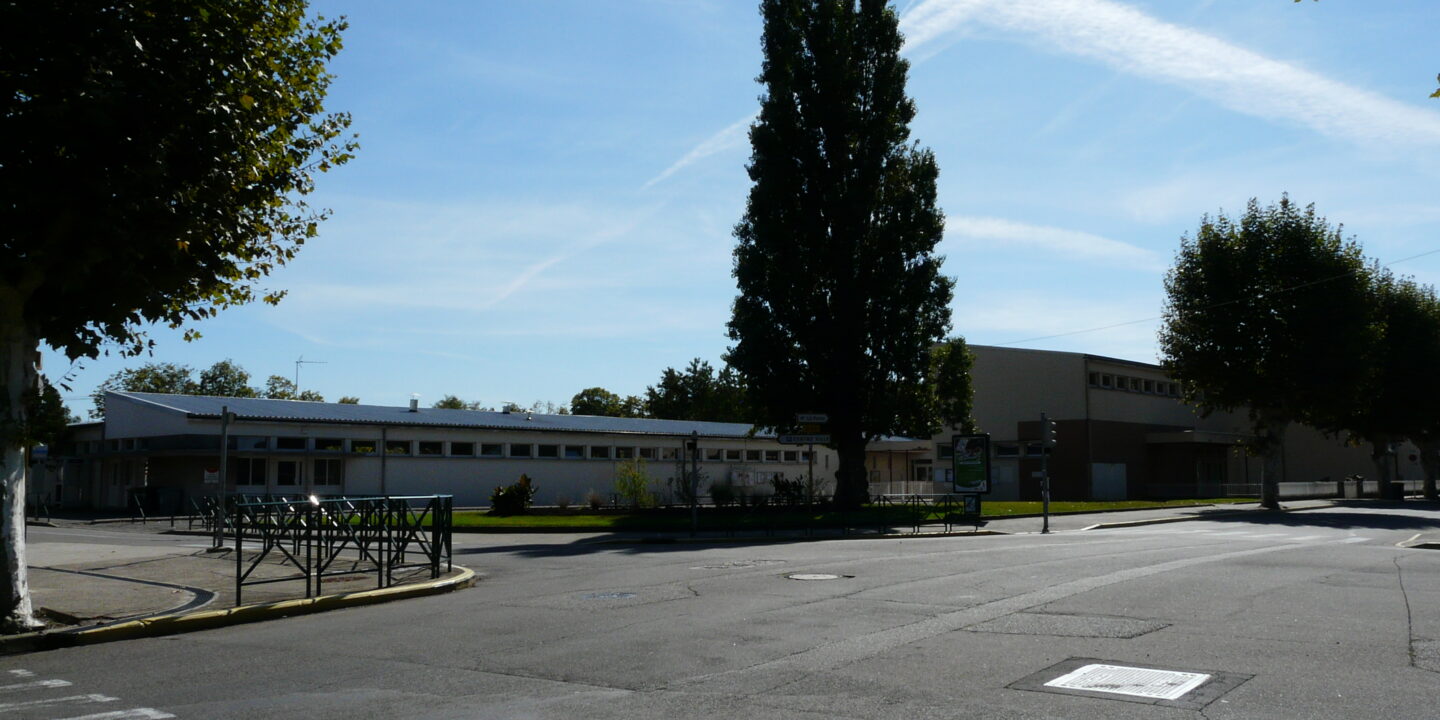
[594,500]
[632,483]
[722,493]
[512,499]
[562,502]
[683,488]
[788,492]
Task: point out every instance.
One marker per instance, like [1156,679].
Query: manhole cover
[608,596]
[815,576]
[1139,682]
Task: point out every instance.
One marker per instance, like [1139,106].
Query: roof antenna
[302,361]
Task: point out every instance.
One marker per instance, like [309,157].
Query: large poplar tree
[154,158]
[840,292]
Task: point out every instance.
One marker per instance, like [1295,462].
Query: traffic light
[1047,431]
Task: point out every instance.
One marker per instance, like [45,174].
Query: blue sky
[545,190]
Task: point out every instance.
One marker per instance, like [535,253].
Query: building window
[249,442]
[328,472]
[1094,379]
[772,456]
[669,453]
[289,443]
[1034,449]
[547,451]
[714,454]
[492,450]
[575,452]
[330,444]
[599,453]
[944,451]
[397,447]
[624,453]
[1150,386]
[1107,380]
[792,456]
[429,447]
[805,456]
[752,456]
[1135,384]
[287,472]
[733,455]
[250,471]
[462,449]
[363,447]
[648,453]
[1007,450]
[521,450]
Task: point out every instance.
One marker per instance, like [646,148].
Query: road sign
[811,418]
[212,475]
[804,439]
[972,463]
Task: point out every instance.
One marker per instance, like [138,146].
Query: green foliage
[154,377]
[513,499]
[632,483]
[225,379]
[453,402]
[47,419]
[348,400]
[722,493]
[841,295]
[698,393]
[599,401]
[787,491]
[279,387]
[948,394]
[685,484]
[156,159]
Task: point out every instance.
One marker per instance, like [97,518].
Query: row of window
[1000,450]
[438,448]
[254,471]
[1134,384]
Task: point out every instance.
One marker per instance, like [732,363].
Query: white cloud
[1067,243]
[732,136]
[1239,79]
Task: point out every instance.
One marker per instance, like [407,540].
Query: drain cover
[1122,680]
[814,576]
[608,596]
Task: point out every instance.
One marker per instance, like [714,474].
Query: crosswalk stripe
[90,698]
[32,685]
[131,714]
[22,673]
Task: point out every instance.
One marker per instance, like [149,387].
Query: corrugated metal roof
[318,412]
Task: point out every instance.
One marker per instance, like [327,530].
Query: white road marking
[132,714]
[33,685]
[77,699]
[1354,540]
[22,673]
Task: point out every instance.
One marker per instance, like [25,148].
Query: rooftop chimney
[414,403]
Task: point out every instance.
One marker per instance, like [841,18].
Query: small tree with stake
[154,159]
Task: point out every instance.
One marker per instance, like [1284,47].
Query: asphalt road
[1305,615]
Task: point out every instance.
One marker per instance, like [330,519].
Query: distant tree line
[223,379]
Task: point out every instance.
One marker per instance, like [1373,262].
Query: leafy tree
[1404,388]
[47,420]
[279,387]
[453,402]
[225,379]
[599,401]
[698,393]
[155,160]
[348,400]
[1270,312]
[153,377]
[948,395]
[841,296]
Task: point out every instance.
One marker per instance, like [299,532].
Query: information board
[972,463]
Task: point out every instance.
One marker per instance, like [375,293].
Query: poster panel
[972,463]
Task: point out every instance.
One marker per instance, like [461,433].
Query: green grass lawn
[777,518]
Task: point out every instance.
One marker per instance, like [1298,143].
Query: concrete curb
[1188,518]
[791,538]
[208,619]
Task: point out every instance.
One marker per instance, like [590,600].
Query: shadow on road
[1345,515]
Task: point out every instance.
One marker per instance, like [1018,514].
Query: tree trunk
[852,487]
[1274,464]
[1380,455]
[17,363]
[1430,462]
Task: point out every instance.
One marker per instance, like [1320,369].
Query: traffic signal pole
[1047,441]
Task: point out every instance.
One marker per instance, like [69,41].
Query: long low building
[168,447]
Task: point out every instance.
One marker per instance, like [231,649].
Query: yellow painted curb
[208,619]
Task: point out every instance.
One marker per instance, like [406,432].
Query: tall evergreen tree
[841,296]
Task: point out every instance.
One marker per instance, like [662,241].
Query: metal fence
[340,536]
